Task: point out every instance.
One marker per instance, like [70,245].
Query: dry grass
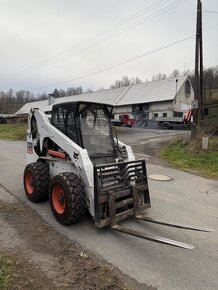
[4,271]
[196,145]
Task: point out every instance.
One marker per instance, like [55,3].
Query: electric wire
[205,11]
[112,66]
[121,62]
[126,21]
[107,37]
[91,38]
[92,42]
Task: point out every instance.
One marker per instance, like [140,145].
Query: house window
[187,88]
[177,114]
[206,113]
[164,115]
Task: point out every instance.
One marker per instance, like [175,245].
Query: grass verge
[4,271]
[13,131]
[189,156]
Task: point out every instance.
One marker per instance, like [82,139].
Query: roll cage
[88,125]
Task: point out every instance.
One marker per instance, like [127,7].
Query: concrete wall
[121,110]
[182,101]
[159,108]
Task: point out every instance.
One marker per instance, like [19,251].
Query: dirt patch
[39,257]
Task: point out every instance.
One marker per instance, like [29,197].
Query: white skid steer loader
[74,159]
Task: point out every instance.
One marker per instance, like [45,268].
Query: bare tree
[62,93]
[211,83]
[125,82]
[159,77]
[175,73]
[187,72]
[43,96]
[136,80]
[89,91]
[3,98]
[56,93]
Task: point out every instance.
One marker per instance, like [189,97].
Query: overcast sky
[33,31]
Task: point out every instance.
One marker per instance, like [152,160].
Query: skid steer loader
[75,159]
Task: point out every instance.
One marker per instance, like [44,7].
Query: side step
[181,226]
[152,238]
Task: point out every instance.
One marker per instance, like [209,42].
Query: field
[13,131]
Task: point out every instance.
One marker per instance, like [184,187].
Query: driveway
[186,199]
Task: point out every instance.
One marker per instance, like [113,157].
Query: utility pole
[201,99]
[198,113]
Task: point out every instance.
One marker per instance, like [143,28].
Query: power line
[105,35]
[127,20]
[210,28]
[205,11]
[114,65]
[122,62]
[93,37]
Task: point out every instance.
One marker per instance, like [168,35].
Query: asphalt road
[186,199]
[148,141]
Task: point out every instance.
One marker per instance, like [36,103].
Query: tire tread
[41,177]
[75,193]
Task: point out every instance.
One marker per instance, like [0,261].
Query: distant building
[210,112]
[12,119]
[170,97]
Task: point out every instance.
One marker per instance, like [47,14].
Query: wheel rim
[58,199]
[29,182]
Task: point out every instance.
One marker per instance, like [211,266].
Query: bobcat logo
[75,155]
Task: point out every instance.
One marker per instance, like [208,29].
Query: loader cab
[89,126]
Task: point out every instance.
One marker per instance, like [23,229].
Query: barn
[170,97]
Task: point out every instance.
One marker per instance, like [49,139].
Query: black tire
[187,126]
[71,194]
[159,125]
[36,181]
[166,125]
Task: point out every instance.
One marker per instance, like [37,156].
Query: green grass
[189,156]
[13,131]
[4,272]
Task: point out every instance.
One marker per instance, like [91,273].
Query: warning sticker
[29,148]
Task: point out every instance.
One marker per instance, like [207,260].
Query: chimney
[51,99]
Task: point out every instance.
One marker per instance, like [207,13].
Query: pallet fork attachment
[114,218]
[180,226]
[152,238]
